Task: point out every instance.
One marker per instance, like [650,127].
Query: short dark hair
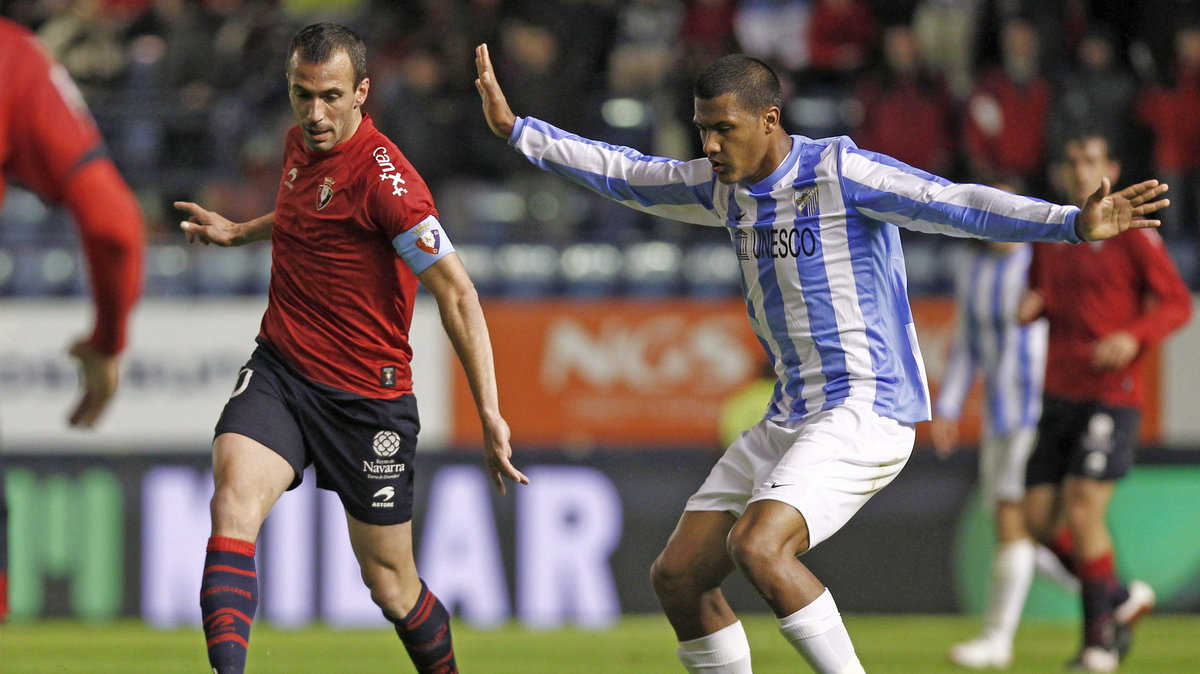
[320,42]
[750,80]
[1085,133]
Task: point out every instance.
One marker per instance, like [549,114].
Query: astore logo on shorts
[386,443]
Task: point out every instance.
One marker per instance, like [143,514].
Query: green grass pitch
[638,645]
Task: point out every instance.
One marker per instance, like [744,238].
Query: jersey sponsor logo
[325,193]
[290,179]
[386,443]
[387,376]
[383,470]
[386,494]
[388,171]
[806,202]
[774,243]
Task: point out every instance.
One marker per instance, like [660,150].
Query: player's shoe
[1095,659]
[1126,614]
[982,653]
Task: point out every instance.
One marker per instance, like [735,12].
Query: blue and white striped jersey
[990,342]
[822,270]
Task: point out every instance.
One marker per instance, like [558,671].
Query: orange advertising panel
[625,372]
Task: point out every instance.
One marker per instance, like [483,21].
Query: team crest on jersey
[430,241]
[325,193]
[290,179]
[806,202]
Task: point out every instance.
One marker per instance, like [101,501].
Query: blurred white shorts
[1002,460]
[826,466]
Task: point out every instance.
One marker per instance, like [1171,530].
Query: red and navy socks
[425,632]
[228,599]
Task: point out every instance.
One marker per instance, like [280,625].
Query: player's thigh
[696,552]
[836,461]
[1086,500]
[383,549]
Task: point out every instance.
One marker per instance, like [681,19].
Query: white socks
[1049,565]
[817,632]
[1012,572]
[725,651]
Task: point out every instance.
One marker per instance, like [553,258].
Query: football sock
[817,632]
[228,599]
[725,651]
[1098,587]
[1012,572]
[425,632]
[1063,547]
[3,595]
[1050,566]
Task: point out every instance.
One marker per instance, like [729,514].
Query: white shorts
[1002,460]
[826,467]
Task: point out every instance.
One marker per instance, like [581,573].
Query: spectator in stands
[1168,109]
[905,113]
[1094,91]
[841,36]
[1005,124]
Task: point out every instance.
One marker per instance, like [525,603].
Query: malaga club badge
[806,202]
[325,193]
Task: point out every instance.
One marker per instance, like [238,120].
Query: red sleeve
[53,135]
[112,231]
[1171,304]
[58,153]
[399,202]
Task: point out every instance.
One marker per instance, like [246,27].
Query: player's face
[327,104]
[736,140]
[1085,163]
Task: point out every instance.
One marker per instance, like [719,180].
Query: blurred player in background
[1011,359]
[1106,303]
[813,224]
[354,228]
[49,143]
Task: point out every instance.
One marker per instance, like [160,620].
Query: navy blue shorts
[361,448]
[1084,439]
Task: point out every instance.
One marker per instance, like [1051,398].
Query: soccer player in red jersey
[353,230]
[1107,302]
[49,143]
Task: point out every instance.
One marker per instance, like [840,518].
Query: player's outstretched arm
[1107,214]
[500,117]
[208,227]
[462,317]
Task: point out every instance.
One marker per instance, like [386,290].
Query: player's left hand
[497,454]
[500,117]
[98,376]
[1115,351]
[1106,215]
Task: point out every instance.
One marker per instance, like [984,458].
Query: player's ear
[360,94]
[770,119]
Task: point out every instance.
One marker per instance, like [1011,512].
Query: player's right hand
[208,227]
[500,117]
[497,454]
[99,374]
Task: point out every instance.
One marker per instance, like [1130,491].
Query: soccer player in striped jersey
[1011,359]
[813,224]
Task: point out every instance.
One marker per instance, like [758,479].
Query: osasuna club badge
[325,193]
[430,241]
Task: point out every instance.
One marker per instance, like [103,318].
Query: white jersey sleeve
[668,188]
[889,190]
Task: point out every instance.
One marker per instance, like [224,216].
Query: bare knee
[752,548]
[234,515]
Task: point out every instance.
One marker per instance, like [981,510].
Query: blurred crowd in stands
[190,95]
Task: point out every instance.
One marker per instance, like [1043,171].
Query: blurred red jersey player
[50,145]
